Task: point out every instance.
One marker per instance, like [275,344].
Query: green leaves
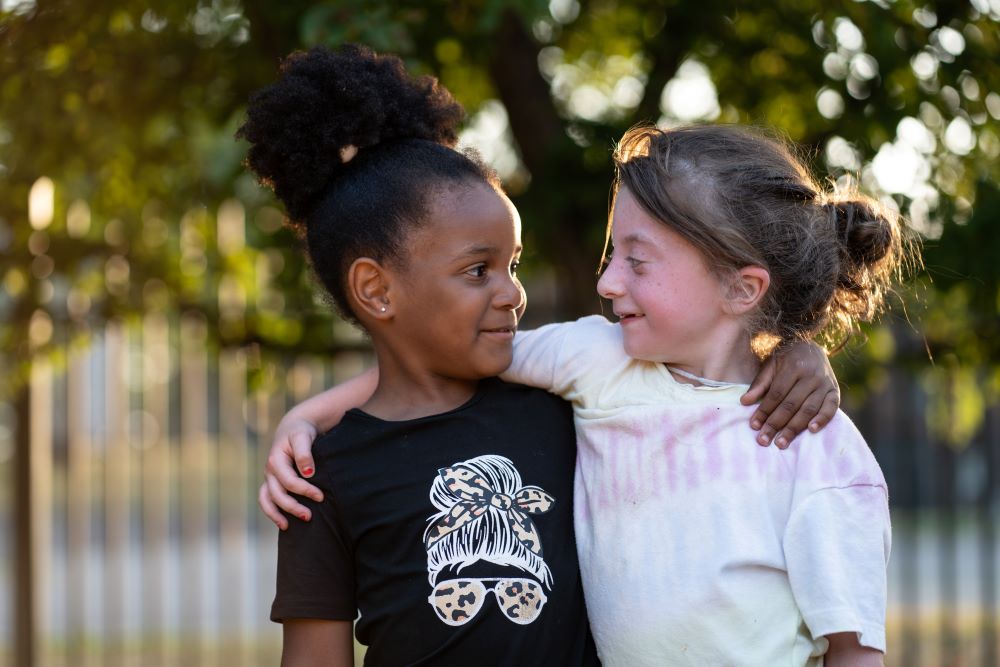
[130,111]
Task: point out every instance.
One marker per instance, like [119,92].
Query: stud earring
[382,309]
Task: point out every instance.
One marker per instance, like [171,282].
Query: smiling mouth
[624,317]
[503,331]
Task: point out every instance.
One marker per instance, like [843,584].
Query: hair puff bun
[325,101]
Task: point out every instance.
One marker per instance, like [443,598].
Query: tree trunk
[545,148]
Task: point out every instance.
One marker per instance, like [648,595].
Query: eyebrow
[636,238]
[483,249]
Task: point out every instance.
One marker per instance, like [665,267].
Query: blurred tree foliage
[129,108]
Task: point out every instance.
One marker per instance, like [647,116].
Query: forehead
[630,223]
[633,229]
[472,215]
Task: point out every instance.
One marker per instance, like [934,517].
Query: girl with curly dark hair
[448,487]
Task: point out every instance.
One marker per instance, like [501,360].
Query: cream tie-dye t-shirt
[698,547]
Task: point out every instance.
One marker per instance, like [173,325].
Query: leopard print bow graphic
[476,496]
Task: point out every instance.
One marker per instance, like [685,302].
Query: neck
[729,359]
[407,392]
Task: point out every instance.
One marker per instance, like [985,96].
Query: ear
[368,285]
[746,288]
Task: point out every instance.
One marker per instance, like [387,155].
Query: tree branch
[513,67]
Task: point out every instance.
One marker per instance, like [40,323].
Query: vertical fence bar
[909,438]
[269,405]
[250,411]
[212,633]
[8,528]
[986,514]
[79,442]
[41,503]
[24,611]
[944,471]
[134,429]
[158,644]
[195,475]
[55,575]
[116,496]
[235,584]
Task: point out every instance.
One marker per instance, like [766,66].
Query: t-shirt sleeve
[557,357]
[315,577]
[837,544]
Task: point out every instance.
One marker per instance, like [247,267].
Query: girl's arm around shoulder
[310,642]
[556,357]
[846,651]
[797,389]
[292,444]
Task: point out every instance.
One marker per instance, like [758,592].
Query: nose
[510,295]
[609,285]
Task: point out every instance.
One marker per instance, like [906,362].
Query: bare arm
[293,441]
[797,389]
[845,651]
[316,643]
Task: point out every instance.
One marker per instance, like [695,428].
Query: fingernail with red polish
[304,517]
[307,471]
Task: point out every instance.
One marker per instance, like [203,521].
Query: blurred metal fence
[138,541]
[943,587]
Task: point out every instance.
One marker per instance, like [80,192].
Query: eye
[634,262]
[514,266]
[477,271]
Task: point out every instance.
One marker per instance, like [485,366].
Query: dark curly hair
[744,198]
[404,129]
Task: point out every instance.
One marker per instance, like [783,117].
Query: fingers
[759,385]
[803,393]
[278,496]
[779,407]
[302,452]
[798,422]
[829,408]
[269,509]
[812,412]
[279,466]
[775,409]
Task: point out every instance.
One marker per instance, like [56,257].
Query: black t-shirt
[451,535]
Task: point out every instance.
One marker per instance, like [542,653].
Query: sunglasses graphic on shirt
[457,601]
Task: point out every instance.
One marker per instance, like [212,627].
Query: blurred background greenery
[123,201]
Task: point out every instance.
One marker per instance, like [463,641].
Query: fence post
[24,610]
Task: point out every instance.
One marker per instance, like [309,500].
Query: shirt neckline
[474,399]
[705,383]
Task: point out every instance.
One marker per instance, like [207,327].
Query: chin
[496,366]
[632,350]
[639,353]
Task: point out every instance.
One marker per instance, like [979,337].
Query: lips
[501,330]
[504,334]
[625,317]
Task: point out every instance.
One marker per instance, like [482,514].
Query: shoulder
[587,333]
[594,332]
[520,399]
[590,341]
[839,456]
[349,439]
